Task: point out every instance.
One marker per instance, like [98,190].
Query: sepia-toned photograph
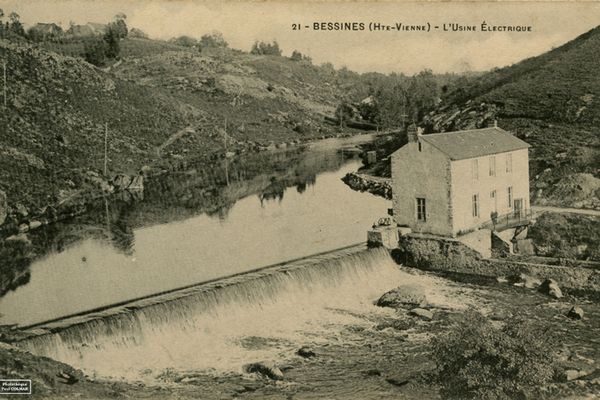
[299,200]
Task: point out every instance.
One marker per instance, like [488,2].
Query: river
[195,226]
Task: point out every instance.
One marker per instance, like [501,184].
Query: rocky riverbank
[17,219]
[367,183]
[384,354]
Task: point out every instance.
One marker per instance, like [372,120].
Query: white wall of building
[465,185]
[424,174]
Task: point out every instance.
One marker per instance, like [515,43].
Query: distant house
[43,30]
[98,29]
[451,183]
[89,29]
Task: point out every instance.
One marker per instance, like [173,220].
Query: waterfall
[223,324]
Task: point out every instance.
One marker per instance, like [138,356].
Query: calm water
[192,227]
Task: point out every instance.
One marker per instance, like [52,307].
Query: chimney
[492,124]
[412,133]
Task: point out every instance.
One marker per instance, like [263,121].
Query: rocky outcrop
[422,313]
[127,182]
[364,183]
[470,116]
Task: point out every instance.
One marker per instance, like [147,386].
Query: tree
[1,22]
[296,56]
[266,49]
[424,94]
[214,39]
[95,51]
[119,26]
[392,103]
[344,112]
[111,37]
[15,25]
[478,361]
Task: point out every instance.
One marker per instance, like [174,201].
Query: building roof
[473,143]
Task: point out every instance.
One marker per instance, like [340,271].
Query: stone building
[44,31]
[453,183]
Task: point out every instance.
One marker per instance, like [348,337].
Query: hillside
[164,105]
[551,101]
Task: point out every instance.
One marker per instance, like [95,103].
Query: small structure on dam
[457,184]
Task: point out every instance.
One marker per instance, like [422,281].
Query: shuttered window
[475,169]
[508,163]
[492,165]
[421,209]
[476,205]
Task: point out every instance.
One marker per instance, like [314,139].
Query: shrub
[266,49]
[185,41]
[111,37]
[214,39]
[478,361]
[95,52]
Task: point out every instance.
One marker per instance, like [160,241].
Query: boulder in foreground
[411,295]
[575,313]
[265,368]
[422,313]
[551,288]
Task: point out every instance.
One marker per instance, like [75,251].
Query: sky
[243,22]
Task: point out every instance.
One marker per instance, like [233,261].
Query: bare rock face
[3,207]
[306,352]
[126,182]
[551,288]
[574,374]
[403,295]
[524,280]
[137,183]
[575,313]
[265,368]
[121,182]
[422,313]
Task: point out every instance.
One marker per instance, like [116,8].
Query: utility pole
[4,81]
[226,160]
[225,135]
[105,146]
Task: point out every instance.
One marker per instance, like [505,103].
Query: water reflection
[185,230]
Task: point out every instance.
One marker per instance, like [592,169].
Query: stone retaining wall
[449,255]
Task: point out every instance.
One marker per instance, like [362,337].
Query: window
[492,165]
[475,169]
[494,200]
[510,196]
[421,210]
[508,163]
[476,205]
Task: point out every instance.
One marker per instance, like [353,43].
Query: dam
[211,326]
